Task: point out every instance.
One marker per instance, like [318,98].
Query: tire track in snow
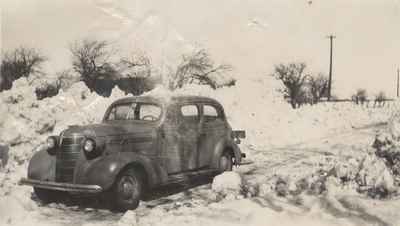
[362,213]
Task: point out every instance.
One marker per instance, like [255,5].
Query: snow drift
[252,105]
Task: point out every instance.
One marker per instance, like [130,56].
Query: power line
[331,37]
[398,77]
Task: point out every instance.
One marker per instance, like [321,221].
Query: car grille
[66,158]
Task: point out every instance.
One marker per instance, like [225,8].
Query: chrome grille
[66,158]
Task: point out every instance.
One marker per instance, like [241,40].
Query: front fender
[103,171]
[42,166]
[221,147]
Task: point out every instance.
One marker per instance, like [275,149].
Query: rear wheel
[128,189]
[225,162]
[48,196]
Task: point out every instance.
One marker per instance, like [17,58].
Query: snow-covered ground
[306,162]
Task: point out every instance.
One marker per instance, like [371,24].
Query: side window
[149,112]
[120,112]
[210,113]
[190,113]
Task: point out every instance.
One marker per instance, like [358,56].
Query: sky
[252,35]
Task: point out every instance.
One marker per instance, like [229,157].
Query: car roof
[162,100]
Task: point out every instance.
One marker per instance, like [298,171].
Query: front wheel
[128,190]
[225,162]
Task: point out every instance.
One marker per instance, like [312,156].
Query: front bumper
[78,188]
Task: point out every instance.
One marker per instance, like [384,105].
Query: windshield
[135,111]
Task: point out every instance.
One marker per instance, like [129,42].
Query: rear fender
[224,145]
[104,171]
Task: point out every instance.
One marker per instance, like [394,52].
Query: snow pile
[27,122]
[257,107]
[12,206]
[129,218]
[374,171]
[228,185]
[231,212]
[26,118]
[369,175]
[252,105]
[24,126]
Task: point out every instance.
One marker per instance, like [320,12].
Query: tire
[48,196]
[128,190]
[225,162]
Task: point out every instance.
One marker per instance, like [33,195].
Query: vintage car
[142,143]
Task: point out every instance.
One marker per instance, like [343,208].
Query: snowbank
[27,122]
[257,107]
[374,171]
[252,105]
[228,185]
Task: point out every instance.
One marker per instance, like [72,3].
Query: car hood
[109,129]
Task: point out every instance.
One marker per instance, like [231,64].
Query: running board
[187,176]
[248,162]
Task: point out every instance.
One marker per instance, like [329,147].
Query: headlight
[89,145]
[51,142]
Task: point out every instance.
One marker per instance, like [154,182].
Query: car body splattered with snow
[141,143]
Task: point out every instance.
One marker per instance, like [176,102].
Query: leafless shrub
[136,73]
[199,68]
[20,62]
[318,87]
[47,89]
[92,59]
[101,69]
[380,99]
[360,97]
[66,78]
[293,77]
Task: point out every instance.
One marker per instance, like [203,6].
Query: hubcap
[128,187]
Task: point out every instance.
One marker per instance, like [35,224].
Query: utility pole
[398,77]
[331,37]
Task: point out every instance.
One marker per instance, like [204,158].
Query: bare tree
[198,67]
[92,59]
[66,78]
[138,64]
[360,97]
[20,62]
[136,71]
[47,89]
[304,97]
[293,78]
[380,99]
[318,87]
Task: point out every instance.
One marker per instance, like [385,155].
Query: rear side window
[190,113]
[150,112]
[211,113]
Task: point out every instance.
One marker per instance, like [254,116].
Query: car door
[141,131]
[188,130]
[181,138]
[213,129]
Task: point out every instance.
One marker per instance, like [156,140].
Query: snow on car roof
[166,100]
